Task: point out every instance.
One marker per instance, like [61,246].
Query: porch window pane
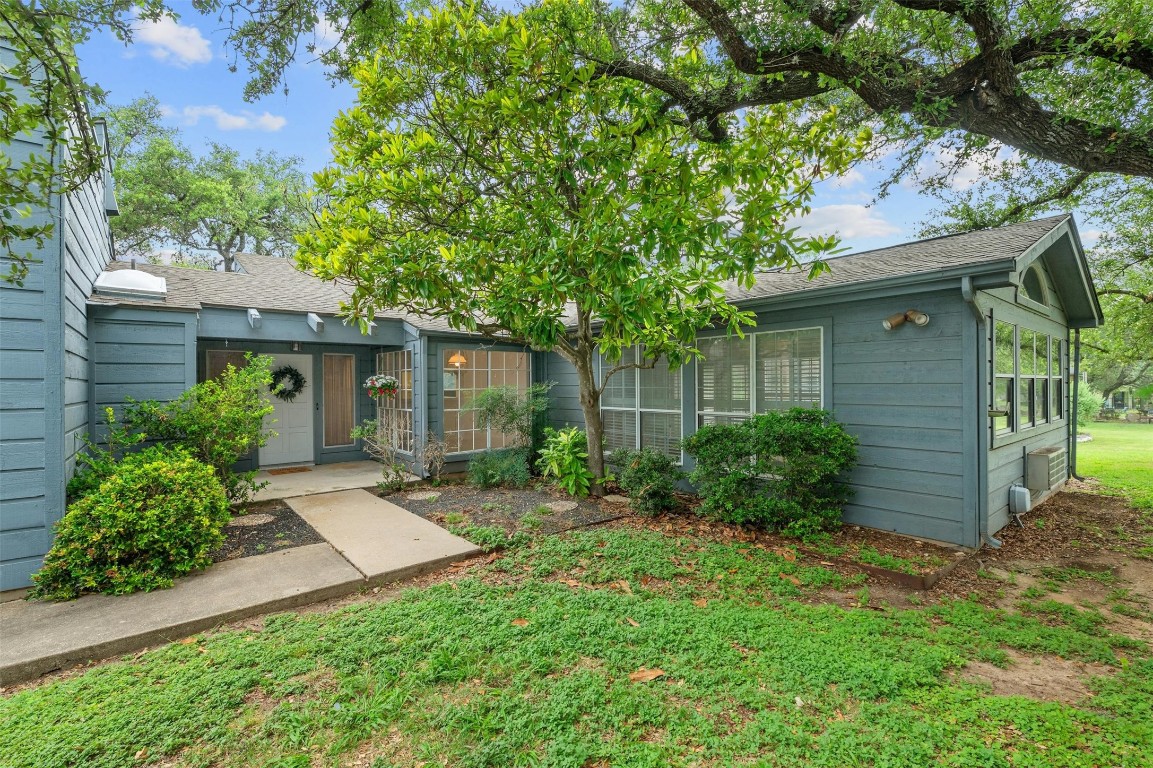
[788,370]
[1003,401]
[620,430]
[394,414]
[467,372]
[621,389]
[339,399]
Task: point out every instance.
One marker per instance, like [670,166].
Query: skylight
[131,284]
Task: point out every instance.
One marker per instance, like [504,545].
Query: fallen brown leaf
[700,603]
[643,675]
[789,577]
[646,580]
[623,586]
[520,622]
[633,622]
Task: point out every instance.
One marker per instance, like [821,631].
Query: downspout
[1073,415]
[970,297]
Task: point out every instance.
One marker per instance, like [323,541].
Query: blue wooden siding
[564,397]
[145,354]
[44,387]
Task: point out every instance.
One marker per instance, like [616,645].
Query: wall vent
[1045,468]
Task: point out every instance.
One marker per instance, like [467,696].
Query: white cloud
[228,121]
[1089,237]
[849,178]
[848,221]
[327,34]
[173,43]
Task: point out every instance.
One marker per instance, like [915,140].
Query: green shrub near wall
[503,467]
[649,478]
[778,470]
[157,516]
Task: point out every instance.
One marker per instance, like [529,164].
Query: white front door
[293,421]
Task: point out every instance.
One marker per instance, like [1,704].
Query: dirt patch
[268,527]
[1046,678]
[536,509]
[1069,528]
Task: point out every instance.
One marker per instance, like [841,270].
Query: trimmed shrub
[96,463]
[507,467]
[565,457]
[649,478]
[218,421]
[778,470]
[156,517]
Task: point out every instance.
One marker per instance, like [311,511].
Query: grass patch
[1118,456]
[528,663]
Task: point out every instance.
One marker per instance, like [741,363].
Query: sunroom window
[1028,389]
[395,413]
[467,372]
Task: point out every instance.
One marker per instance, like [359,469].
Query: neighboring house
[951,407]
[45,368]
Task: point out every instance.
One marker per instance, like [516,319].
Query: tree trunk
[591,408]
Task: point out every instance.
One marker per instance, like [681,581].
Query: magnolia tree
[491,177]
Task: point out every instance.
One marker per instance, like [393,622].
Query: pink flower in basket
[380,385]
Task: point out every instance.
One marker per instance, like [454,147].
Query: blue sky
[184,64]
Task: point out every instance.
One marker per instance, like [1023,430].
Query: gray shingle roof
[274,284]
[921,257]
[268,283]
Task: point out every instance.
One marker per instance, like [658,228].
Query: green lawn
[1121,457]
[527,661]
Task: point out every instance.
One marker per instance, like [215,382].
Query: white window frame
[753,374]
[637,409]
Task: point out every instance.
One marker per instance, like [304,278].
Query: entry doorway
[292,421]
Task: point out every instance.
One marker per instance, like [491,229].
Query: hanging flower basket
[381,386]
[287,383]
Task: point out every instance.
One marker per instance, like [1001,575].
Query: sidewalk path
[370,541]
[383,541]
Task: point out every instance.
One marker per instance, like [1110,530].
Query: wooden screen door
[339,399]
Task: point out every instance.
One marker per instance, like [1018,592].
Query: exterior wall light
[914,316]
[295,346]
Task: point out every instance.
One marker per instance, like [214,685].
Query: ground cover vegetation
[614,647]
[1118,456]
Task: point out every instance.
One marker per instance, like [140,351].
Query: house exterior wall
[1006,455]
[899,392]
[44,366]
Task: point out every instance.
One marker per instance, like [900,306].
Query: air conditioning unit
[1045,468]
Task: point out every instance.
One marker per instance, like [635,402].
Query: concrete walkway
[383,541]
[370,541]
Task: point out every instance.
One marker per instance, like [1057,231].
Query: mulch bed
[268,527]
[507,507]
